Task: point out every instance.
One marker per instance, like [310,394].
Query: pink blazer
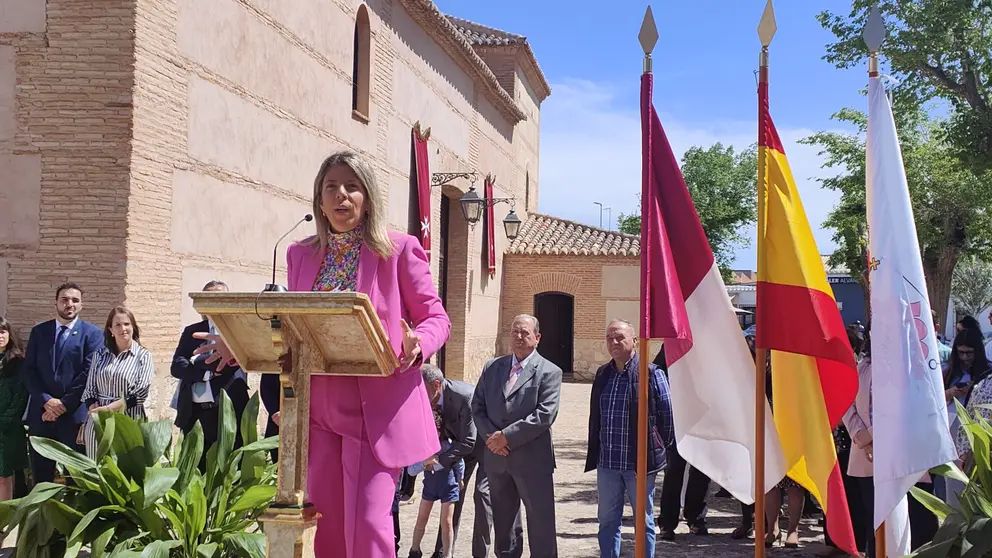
[399,422]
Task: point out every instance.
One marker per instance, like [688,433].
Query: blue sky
[704,90]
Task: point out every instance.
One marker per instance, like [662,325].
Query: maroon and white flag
[684,302]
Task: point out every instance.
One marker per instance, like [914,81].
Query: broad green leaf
[196,511]
[208,550]
[173,517]
[255,497]
[227,430]
[979,537]
[72,551]
[189,457]
[98,548]
[950,470]
[173,450]
[42,492]
[63,454]
[935,550]
[106,436]
[253,467]
[265,444]
[116,486]
[213,474]
[90,516]
[931,502]
[158,481]
[128,445]
[159,549]
[62,517]
[247,545]
[157,437]
[7,510]
[249,420]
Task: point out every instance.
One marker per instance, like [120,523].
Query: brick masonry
[603,288]
[176,140]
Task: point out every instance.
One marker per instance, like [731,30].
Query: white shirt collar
[69,326]
[523,363]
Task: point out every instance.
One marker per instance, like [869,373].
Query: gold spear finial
[874,36]
[766,30]
[767,26]
[648,36]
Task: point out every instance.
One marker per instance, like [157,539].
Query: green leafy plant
[144,496]
[965,530]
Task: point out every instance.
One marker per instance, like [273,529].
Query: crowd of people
[371,437]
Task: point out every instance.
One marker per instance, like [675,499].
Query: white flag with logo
[909,416]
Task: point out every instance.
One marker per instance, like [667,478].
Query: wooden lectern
[328,333]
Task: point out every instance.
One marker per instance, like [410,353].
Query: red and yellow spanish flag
[814,376]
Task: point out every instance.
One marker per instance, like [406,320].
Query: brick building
[147,146]
[575,279]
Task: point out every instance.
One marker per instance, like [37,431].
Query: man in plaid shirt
[612,436]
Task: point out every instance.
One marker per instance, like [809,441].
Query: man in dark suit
[200,385]
[56,365]
[515,403]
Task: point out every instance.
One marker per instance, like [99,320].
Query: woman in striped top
[120,374]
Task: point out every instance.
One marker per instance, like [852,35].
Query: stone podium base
[290,531]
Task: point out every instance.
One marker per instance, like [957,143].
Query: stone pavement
[576,511]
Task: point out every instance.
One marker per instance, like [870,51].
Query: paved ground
[576,511]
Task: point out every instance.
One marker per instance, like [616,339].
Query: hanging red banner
[423,179]
[490,226]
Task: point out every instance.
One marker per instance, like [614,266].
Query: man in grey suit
[516,402]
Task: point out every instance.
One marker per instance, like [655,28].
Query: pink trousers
[351,490]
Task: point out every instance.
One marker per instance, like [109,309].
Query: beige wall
[603,288]
[65,114]
[144,192]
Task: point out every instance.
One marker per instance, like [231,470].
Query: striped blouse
[127,376]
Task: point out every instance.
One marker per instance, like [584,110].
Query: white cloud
[591,151]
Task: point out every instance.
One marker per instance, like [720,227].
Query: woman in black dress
[13,400]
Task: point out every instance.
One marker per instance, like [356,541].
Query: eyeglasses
[966,352]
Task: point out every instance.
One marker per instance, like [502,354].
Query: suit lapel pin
[75,332]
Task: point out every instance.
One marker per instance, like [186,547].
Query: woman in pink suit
[365,430]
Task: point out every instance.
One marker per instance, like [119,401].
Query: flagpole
[766,30]
[648,37]
[874,35]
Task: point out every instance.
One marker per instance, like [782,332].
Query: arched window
[361,65]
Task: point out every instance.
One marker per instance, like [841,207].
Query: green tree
[722,183]
[938,49]
[972,286]
[951,204]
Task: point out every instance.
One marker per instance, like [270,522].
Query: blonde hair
[374,233]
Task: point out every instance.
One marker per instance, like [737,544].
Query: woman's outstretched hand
[219,351]
[411,346]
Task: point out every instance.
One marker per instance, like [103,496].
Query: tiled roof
[478,34]
[454,42]
[483,37]
[544,234]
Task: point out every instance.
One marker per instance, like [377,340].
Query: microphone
[273,287]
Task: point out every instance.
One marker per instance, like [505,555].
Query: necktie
[60,343]
[512,380]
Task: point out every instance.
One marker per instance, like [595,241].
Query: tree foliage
[937,49]
[722,183]
[972,286]
[951,204]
